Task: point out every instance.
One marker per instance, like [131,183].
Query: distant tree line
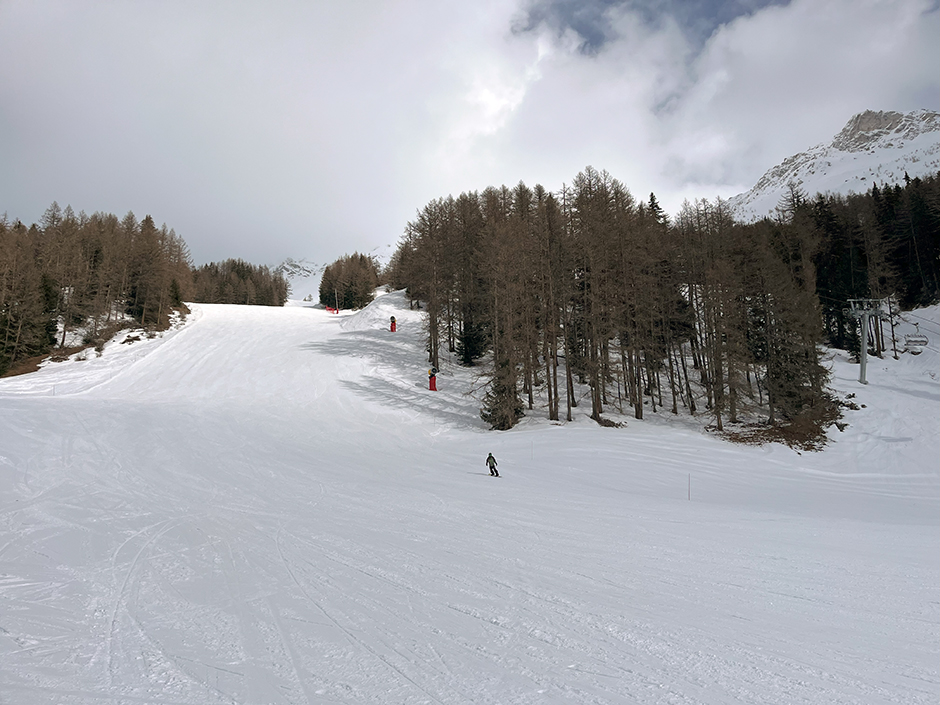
[590,287]
[96,273]
[235,281]
[349,282]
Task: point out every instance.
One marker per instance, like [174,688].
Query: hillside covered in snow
[267,505]
[873,148]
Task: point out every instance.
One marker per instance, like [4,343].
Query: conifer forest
[557,292]
[98,274]
[690,315]
[349,282]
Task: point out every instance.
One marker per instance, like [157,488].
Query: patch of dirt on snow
[806,432]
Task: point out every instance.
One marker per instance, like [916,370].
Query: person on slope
[491,464]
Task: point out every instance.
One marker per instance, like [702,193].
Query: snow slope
[267,506]
[873,148]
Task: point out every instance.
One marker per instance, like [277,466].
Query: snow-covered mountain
[303,277]
[873,148]
[304,274]
[292,268]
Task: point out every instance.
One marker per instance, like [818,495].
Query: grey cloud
[593,20]
[312,129]
[589,19]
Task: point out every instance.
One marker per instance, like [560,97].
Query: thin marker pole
[690,487]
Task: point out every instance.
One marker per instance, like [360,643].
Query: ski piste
[261,507]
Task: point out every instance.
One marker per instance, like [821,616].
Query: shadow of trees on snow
[400,379]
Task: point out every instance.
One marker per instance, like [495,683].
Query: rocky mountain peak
[874,147]
[871,127]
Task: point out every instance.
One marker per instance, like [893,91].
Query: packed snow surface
[267,505]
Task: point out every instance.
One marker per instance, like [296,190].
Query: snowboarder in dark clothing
[491,464]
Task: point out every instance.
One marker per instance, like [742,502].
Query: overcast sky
[266,130]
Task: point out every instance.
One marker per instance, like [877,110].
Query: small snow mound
[377,315]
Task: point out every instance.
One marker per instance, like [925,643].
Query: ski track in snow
[268,506]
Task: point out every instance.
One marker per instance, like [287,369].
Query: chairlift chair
[914,343]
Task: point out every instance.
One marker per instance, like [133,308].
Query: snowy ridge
[303,275]
[267,505]
[873,148]
[292,268]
